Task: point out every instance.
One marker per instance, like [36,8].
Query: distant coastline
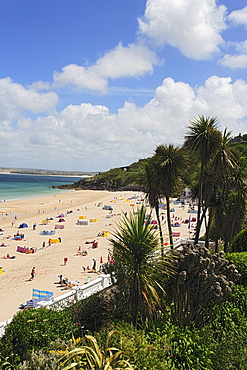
[42,174]
[23,171]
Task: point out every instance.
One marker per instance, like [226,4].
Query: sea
[22,186]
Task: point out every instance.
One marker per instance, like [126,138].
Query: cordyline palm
[222,166]
[149,179]
[170,160]
[203,138]
[138,268]
[234,205]
[90,356]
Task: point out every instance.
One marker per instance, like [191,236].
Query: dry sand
[15,286]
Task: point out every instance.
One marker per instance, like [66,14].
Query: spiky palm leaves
[90,356]
[138,266]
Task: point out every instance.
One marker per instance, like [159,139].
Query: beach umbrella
[101,259]
[109,258]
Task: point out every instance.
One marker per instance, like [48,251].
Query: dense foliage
[239,260]
[239,242]
[34,329]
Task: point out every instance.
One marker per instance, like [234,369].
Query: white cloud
[40,85]
[131,61]
[89,137]
[80,77]
[242,46]
[192,26]
[134,60]
[239,16]
[226,100]
[234,61]
[14,98]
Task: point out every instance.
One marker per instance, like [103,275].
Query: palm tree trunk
[199,222]
[208,229]
[160,231]
[169,221]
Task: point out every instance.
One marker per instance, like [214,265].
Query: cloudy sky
[89,85]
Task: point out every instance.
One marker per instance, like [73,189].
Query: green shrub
[169,347]
[238,298]
[226,338]
[91,314]
[239,242]
[240,262]
[188,351]
[34,329]
[41,360]
[143,353]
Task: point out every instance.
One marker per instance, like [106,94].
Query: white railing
[77,293]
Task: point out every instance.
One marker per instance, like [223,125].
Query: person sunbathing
[64,282]
[4,245]
[90,270]
[8,256]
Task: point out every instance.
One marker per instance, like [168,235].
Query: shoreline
[37,195]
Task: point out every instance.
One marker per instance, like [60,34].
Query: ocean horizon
[25,186]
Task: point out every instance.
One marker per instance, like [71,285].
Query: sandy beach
[84,205]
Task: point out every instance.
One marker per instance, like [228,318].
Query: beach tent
[162,206]
[82,222]
[59,226]
[44,232]
[22,226]
[107,208]
[61,220]
[55,240]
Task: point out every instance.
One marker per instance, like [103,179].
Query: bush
[167,347]
[239,242]
[143,353]
[226,338]
[238,298]
[188,350]
[202,281]
[91,314]
[240,262]
[34,329]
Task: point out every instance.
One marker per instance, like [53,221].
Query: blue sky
[95,84]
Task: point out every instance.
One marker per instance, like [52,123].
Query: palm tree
[138,268]
[149,179]
[216,186]
[170,160]
[234,202]
[203,138]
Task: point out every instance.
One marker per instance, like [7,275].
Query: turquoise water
[14,186]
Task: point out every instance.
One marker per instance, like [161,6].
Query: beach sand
[15,286]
